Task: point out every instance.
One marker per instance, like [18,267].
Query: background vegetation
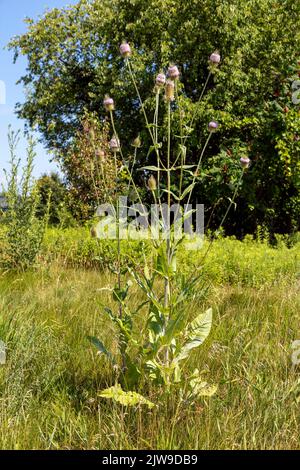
[50,382]
[73,60]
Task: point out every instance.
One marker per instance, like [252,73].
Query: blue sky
[12,14]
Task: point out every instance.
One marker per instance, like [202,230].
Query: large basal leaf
[196,333]
[125,398]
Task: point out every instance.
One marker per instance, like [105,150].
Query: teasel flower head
[109,104]
[245,162]
[152,183]
[215,58]
[160,80]
[170,90]
[125,50]
[137,142]
[114,144]
[213,126]
[173,72]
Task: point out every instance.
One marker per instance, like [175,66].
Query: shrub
[23,232]
[59,212]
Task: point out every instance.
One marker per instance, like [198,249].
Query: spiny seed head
[173,72]
[137,142]
[245,162]
[213,126]
[152,183]
[160,80]
[108,103]
[114,144]
[170,89]
[215,58]
[125,50]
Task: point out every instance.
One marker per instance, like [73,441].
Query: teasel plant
[157,351]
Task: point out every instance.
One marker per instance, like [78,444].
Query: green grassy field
[49,384]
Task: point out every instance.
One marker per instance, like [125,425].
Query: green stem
[168,247]
[143,109]
[156,139]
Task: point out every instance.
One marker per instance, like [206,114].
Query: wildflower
[125,50]
[152,183]
[109,104]
[170,88]
[213,126]
[173,72]
[114,144]
[215,58]
[137,142]
[160,79]
[245,162]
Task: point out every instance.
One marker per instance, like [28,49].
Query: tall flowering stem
[168,231]
[131,73]
[156,136]
[167,336]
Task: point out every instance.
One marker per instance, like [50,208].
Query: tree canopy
[73,61]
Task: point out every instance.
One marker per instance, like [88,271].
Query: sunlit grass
[48,387]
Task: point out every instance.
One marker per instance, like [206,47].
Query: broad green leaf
[187,190]
[101,348]
[132,373]
[196,333]
[125,398]
[150,168]
[182,150]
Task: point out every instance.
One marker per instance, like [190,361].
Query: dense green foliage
[246,263]
[58,211]
[73,60]
[22,230]
[90,168]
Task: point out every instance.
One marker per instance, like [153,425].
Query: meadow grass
[49,384]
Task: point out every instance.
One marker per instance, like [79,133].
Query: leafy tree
[51,184]
[73,60]
[23,233]
[90,168]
